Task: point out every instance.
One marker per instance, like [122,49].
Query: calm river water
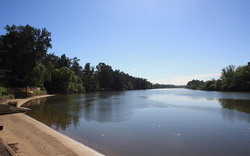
[171,122]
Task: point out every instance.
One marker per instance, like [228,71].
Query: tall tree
[104,75]
[227,76]
[90,79]
[37,76]
[241,78]
[232,79]
[118,81]
[195,84]
[22,47]
[75,66]
[64,80]
[64,61]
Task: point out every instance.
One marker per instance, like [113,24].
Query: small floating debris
[154,125]
[103,135]
[178,134]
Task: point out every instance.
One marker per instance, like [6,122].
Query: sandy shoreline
[34,138]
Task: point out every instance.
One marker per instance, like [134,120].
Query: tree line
[232,79]
[158,86]
[25,61]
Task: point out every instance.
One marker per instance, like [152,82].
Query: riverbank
[31,137]
[20,102]
[14,105]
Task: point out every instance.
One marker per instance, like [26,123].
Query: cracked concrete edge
[9,149]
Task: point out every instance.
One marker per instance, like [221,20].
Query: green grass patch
[4,92]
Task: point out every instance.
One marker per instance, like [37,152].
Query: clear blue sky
[165,41]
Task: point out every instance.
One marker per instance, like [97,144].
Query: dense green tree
[90,78]
[195,84]
[50,62]
[64,61]
[142,84]
[22,47]
[88,70]
[23,51]
[118,81]
[130,81]
[232,79]
[104,76]
[129,86]
[36,76]
[209,85]
[64,80]
[227,76]
[241,78]
[75,66]
[218,84]
[155,86]
[4,92]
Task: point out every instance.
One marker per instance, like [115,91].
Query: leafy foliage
[232,79]
[22,47]
[64,80]
[227,76]
[36,76]
[24,56]
[157,85]
[104,76]
[89,78]
[4,92]
[195,84]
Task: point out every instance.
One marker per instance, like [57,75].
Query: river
[173,122]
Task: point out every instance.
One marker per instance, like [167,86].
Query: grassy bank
[5,94]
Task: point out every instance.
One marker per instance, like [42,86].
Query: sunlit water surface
[173,122]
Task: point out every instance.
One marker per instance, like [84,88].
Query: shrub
[4,92]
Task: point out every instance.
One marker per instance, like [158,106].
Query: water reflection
[54,115]
[105,107]
[61,111]
[233,109]
[210,94]
[151,122]
[196,100]
[239,105]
